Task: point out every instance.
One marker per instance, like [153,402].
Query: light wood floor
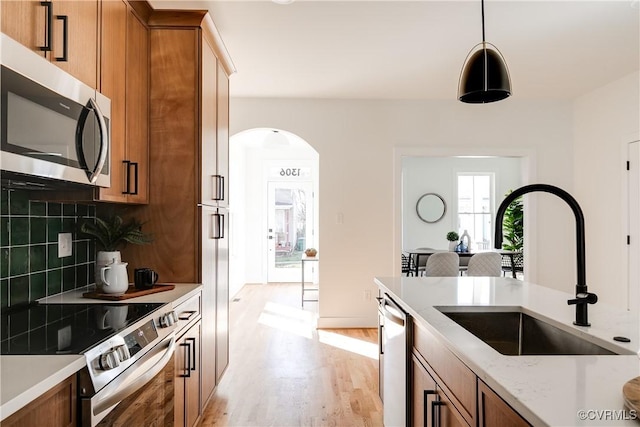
[284,372]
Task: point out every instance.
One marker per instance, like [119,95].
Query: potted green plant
[513,226]
[452,237]
[111,234]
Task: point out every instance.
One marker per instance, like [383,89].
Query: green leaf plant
[112,233]
[513,226]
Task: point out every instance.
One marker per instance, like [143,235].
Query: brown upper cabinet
[124,65]
[64,32]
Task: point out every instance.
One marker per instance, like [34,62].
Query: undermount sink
[514,333]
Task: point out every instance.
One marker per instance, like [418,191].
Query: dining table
[416,254]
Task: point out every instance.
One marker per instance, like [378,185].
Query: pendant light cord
[482,21]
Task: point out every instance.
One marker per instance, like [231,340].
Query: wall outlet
[64,245]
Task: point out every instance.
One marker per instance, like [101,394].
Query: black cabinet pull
[127,164]
[135,177]
[425,406]
[193,353]
[49,24]
[187,315]
[219,187]
[65,38]
[435,412]
[218,226]
[187,358]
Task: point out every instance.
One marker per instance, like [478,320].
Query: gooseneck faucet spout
[583,297]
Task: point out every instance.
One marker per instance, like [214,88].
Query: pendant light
[485,76]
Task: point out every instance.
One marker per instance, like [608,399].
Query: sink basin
[514,333]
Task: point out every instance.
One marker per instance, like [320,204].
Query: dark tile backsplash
[29,265]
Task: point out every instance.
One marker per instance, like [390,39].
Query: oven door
[143,392]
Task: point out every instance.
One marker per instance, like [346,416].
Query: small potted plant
[452,237]
[111,234]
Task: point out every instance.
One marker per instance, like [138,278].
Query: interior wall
[356,140]
[605,121]
[438,175]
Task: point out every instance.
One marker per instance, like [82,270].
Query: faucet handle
[584,298]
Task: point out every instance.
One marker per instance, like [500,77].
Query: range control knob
[123,352]
[109,360]
[168,319]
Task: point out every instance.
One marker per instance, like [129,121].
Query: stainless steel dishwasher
[394,329]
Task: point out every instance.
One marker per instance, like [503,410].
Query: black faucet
[583,297]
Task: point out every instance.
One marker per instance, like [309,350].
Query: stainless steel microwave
[53,125]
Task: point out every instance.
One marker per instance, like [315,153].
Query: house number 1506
[290,172]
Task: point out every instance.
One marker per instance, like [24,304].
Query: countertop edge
[17,402]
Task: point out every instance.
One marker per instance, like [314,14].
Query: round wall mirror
[431,207]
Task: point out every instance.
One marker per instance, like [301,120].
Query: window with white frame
[475,195]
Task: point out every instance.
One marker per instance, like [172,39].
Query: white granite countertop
[546,390]
[24,378]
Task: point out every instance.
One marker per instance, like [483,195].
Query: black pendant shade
[485,76]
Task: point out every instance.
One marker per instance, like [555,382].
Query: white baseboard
[347,322]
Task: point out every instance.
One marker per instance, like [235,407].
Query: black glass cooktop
[65,328]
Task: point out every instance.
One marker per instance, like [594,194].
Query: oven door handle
[115,398]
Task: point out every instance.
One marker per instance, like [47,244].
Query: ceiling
[415,49]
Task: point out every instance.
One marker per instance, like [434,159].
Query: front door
[289,228]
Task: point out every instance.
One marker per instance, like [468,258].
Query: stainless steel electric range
[125,346]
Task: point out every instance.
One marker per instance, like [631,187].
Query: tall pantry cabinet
[188,154]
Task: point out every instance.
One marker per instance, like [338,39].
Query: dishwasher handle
[391,311]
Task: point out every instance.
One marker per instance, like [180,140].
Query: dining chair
[443,264]
[485,264]
[518,264]
[408,267]
[422,261]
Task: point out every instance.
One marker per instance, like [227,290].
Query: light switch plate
[64,245]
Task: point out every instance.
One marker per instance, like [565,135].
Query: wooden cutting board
[631,392]
[132,292]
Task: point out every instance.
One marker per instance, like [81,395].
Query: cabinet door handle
[135,177]
[218,186]
[192,366]
[218,226]
[65,37]
[435,412]
[187,358]
[127,189]
[425,406]
[186,315]
[49,12]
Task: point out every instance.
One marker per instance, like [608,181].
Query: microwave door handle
[104,143]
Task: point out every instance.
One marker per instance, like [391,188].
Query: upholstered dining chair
[443,264]
[422,261]
[485,264]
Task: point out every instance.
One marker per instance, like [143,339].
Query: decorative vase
[466,246]
[452,246]
[104,258]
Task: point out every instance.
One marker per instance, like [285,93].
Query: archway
[273,196]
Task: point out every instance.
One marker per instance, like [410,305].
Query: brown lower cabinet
[187,381]
[57,407]
[446,393]
[493,411]
[431,407]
